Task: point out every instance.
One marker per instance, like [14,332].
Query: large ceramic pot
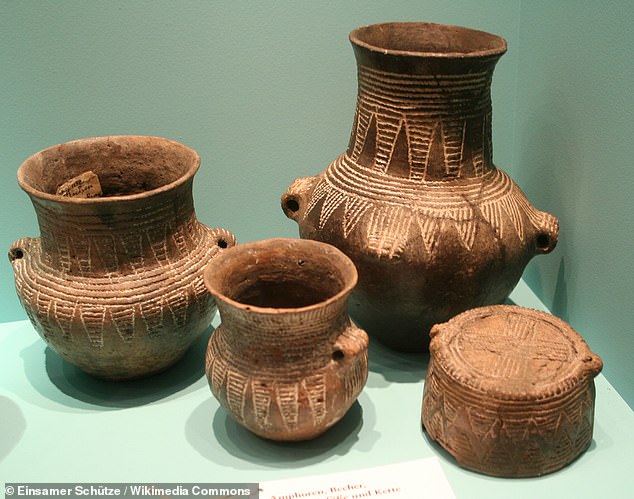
[433,226]
[285,362]
[114,284]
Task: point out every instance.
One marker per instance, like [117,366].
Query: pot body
[433,226]
[510,391]
[285,362]
[114,284]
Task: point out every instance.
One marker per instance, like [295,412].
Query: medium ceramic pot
[114,284]
[510,391]
[433,226]
[285,362]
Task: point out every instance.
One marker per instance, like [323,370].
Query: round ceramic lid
[512,352]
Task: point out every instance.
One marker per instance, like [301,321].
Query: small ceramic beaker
[286,361]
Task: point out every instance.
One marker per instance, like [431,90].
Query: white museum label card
[419,479]
[86,185]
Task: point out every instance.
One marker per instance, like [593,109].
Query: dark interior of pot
[284,293]
[123,165]
[281,279]
[427,38]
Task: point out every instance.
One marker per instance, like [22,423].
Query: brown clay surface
[433,226]
[114,283]
[509,391]
[286,362]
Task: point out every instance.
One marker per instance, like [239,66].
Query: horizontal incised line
[438,97]
[435,87]
[409,78]
[349,177]
[149,217]
[425,109]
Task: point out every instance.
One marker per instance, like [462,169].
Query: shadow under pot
[432,225]
[286,362]
[114,284]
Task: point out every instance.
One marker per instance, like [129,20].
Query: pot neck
[424,118]
[107,236]
[283,338]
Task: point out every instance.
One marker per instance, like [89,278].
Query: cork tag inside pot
[86,185]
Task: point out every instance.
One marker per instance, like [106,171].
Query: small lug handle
[20,249]
[223,238]
[350,344]
[547,234]
[296,198]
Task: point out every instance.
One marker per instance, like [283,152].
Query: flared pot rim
[467,42]
[82,142]
[213,270]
